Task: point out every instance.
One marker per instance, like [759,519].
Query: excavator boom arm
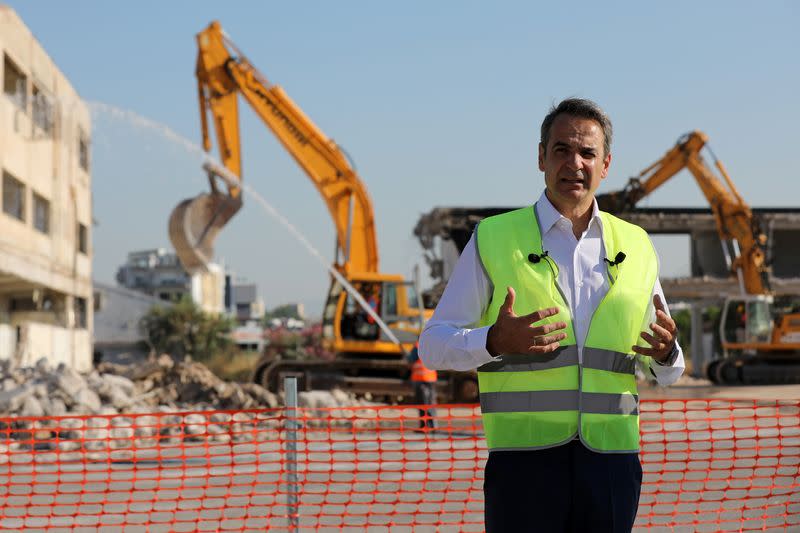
[223,73]
[733,216]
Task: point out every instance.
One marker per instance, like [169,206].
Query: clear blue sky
[438,103]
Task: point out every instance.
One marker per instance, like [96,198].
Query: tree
[184,329]
[282,311]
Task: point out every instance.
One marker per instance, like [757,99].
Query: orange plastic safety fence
[709,465]
[720,465]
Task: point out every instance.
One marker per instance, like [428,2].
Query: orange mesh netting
[709,465]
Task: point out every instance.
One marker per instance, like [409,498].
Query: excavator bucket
[194,224]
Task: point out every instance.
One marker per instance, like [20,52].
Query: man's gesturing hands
[512,334]
[666,333]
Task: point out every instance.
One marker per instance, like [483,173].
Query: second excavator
[371,319]
[759,334]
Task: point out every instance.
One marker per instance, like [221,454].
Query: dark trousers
[425,394]
[568,488]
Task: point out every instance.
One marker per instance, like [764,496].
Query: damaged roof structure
[444,231]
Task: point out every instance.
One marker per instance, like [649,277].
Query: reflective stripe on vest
[538,401]
[419,372]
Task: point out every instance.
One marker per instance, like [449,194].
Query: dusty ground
[689,387]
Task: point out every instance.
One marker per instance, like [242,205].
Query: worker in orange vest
[424,381]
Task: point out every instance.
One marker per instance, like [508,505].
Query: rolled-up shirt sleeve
[450,339]
[668,372]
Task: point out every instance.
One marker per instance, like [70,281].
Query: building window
[25,303]
[15,84]
[42,111]
[83,244]
[41,213]
[80,313]
[83,150]
[13,196]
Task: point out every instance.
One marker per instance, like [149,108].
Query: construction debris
[126,412]
[157,384]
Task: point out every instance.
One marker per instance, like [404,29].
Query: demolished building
[444,231]
[45,225]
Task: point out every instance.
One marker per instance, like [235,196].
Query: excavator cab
[347,327]
[746,322]
[195,222]
[760,342]
[753,323]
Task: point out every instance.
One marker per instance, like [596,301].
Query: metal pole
[292,427]
[420,303]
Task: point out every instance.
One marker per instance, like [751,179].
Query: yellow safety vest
[531,401]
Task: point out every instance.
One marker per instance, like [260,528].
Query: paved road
[690,388]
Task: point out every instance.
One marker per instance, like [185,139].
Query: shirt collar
[549,215]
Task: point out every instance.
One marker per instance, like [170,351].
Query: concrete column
[699,357]
[69,311]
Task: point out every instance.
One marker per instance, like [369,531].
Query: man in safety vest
[556,304]
[424,381]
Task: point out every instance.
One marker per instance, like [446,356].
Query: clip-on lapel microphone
[617,260]
[535,258]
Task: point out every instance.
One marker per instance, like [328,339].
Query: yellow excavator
[760,340]
[370,319]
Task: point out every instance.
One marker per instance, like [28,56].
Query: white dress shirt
[450,339]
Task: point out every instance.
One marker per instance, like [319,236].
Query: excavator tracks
[383,379]
[752,371]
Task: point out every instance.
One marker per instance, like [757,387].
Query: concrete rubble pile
[154,385]
[142,411]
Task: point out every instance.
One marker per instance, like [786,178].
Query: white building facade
[45,224]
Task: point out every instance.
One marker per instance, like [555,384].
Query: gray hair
[582,108]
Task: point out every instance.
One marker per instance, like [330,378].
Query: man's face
[574,161]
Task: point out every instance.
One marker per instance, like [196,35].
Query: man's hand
[666,334]
[513,334]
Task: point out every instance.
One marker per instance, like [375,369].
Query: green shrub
[184,329]
[683,321]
